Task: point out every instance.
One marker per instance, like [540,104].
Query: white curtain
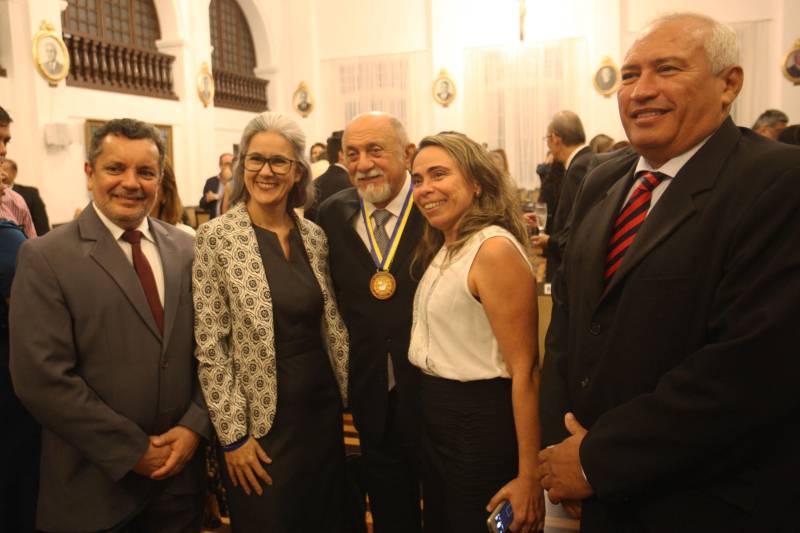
[754,99]
[390,83]
[510,95]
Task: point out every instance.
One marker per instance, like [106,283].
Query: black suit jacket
[376,327]
[685,369]
[212,184]
[569,190]
[35,206]
[333,180]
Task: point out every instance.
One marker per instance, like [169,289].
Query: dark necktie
[146,277]
[629,221]
[380,217]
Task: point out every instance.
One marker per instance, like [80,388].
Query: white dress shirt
[149,248]
[394,207]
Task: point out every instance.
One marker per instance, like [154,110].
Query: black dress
[305,442]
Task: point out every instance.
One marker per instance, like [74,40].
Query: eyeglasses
[278,165]
[547,137]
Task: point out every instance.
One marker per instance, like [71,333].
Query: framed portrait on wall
[165,131]
[302,100]
[606,78]
[50,54]
[205,85]
[444,89]
[791,64]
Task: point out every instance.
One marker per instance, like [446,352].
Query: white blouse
[451,336]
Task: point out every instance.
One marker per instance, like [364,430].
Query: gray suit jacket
[89,363]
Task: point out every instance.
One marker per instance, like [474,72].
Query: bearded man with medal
[372,231]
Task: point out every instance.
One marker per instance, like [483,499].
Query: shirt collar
[396,205]
[117,232]
[674,165]
[572,155]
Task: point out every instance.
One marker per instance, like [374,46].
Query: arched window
[112,46]
[234,59]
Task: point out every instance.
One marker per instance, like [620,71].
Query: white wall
[294,38]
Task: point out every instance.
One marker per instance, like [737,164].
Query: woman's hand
[244,466]
[527,503]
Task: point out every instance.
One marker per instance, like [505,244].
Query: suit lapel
[409,239]
[678,201]
[603,216]
[108,254]
[171,264]
[351,239]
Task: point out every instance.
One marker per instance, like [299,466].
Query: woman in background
[474,336]
[271,345]
[169,208]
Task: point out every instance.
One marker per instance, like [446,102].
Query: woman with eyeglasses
[271,346]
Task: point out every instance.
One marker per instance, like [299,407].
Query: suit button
[584,383]
[164,364]
[594,328]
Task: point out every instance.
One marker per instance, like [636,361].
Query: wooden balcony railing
[115,67]
[235,91]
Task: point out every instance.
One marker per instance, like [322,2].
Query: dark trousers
[19,476]
[389,471]
[166,513]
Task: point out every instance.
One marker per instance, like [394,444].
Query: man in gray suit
[101,352]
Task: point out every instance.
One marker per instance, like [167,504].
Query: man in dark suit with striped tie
[668,388]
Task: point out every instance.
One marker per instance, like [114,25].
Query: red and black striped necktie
[630,220]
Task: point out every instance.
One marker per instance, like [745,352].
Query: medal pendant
[382,285]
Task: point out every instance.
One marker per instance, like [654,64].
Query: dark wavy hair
[496,204]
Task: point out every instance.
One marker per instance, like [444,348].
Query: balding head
[377,155]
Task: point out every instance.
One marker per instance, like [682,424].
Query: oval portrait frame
[794,52]
[206,89]
[303,100]
[444,89]
[606,89]
[60,69]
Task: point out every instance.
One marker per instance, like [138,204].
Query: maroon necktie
[146,278]
[629,221]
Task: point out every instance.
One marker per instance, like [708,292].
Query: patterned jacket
[234,327]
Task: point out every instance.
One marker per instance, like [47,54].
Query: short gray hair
[721,44]
[288,128]
[568,126]
[769,118]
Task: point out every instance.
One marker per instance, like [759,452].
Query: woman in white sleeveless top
[474,337]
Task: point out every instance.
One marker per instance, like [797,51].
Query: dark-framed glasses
[277,164]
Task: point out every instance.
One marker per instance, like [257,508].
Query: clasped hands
[560,469]
[167,453]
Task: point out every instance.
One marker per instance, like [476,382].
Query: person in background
[31,196]
[669,384]
[214,189]
[19,479]
[480,377]
[317,152]
[498,155]
[601,143]
[271,345]
[771,123]
[101,352]
[333,180]
[168,207]
[790,135]
[12,206]
[566,140]
[372,230]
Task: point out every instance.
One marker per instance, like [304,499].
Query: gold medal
[382,285]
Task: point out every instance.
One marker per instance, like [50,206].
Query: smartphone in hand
[500,519]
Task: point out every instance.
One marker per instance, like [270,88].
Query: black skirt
[470,450]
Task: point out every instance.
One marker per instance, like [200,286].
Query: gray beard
[376,193]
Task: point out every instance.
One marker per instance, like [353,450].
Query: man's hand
[153,459]
[244,466]
[211,196]
[181,443]
[560,466]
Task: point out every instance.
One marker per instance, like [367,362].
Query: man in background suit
[102,352]
[668,388]
[214,189]
[333,180]
[383,384]
[30,195]
[566,140]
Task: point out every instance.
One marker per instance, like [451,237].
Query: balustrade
[235,91]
